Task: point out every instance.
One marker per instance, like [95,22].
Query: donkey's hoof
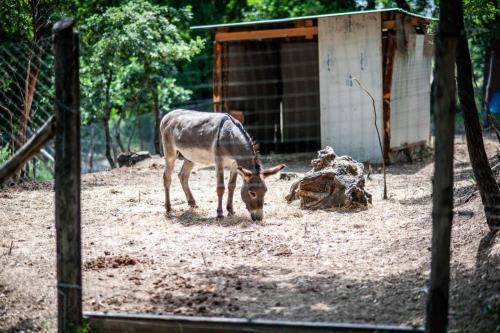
[230,212]
[192,204]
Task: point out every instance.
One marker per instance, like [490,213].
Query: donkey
[214,138]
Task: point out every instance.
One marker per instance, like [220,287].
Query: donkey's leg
[231,185]
[219,169]
[170,156]
[184,174]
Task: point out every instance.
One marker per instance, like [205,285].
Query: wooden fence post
[67,176]
[443,105]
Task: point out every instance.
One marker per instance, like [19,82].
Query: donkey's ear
[245,173]
[274,170]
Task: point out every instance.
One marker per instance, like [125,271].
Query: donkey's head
[254,189]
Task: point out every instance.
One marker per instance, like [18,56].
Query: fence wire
[282,90]
[26,101]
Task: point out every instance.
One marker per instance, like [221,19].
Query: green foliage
[482,24]
[18,17]
[132,51]
[267,9]
[478,13]
[4,154]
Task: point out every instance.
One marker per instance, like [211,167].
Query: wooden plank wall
[350,46]
[252,87]
[299,74]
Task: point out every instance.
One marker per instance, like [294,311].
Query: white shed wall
[410,96]
[350,46]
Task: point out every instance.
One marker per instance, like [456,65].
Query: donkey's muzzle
[257,215]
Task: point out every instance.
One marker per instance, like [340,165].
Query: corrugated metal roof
[290,19]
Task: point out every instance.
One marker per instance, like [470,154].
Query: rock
[333,182]
[129,159]
[288,175]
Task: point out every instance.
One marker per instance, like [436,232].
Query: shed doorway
[274,85]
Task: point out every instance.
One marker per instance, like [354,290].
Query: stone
[129,159]
[334,182]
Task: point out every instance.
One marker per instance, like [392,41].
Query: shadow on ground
[275,293]
[23,325]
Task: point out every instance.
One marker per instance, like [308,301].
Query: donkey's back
[194,134]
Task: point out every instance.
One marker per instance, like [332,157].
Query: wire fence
[26,101]
[292,95]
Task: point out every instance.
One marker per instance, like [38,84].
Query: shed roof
[291,19]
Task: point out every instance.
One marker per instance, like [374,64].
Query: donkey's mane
[256,154]
[254,147]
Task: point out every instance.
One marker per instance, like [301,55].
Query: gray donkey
[214,138]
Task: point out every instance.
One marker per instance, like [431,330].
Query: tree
[443,106]
[482,24]
[488,187]
[268,9]
[24,29]
[142,37]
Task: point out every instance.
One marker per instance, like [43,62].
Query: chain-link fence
[26,101]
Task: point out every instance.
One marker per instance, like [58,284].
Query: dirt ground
[366,266]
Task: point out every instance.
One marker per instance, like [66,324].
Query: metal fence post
[67,176]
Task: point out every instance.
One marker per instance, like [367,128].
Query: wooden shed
[291,81]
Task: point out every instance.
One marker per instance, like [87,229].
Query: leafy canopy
[132,51]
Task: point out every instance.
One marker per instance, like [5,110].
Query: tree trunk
[156,113]
[105,122]
[107,135]
[39,25]
[34,167]
[118,132]
[91,148]
[12,135]
[487,71]
[32,73]
[136,124]
[486,183]
[443,105]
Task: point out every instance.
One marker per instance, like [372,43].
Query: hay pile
[333,182]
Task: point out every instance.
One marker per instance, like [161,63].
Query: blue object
[495,103]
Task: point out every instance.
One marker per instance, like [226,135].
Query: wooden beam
[414,21]
[224,78]
[265,34]
[388,67]
[28,150]
[107,323]
[67,177]
[389,25]
[303,23]
[217,77]
[408,146]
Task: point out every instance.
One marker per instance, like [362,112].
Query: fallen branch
[378,133]
[204,261]
[33,146]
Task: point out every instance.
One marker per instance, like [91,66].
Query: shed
[290,81]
